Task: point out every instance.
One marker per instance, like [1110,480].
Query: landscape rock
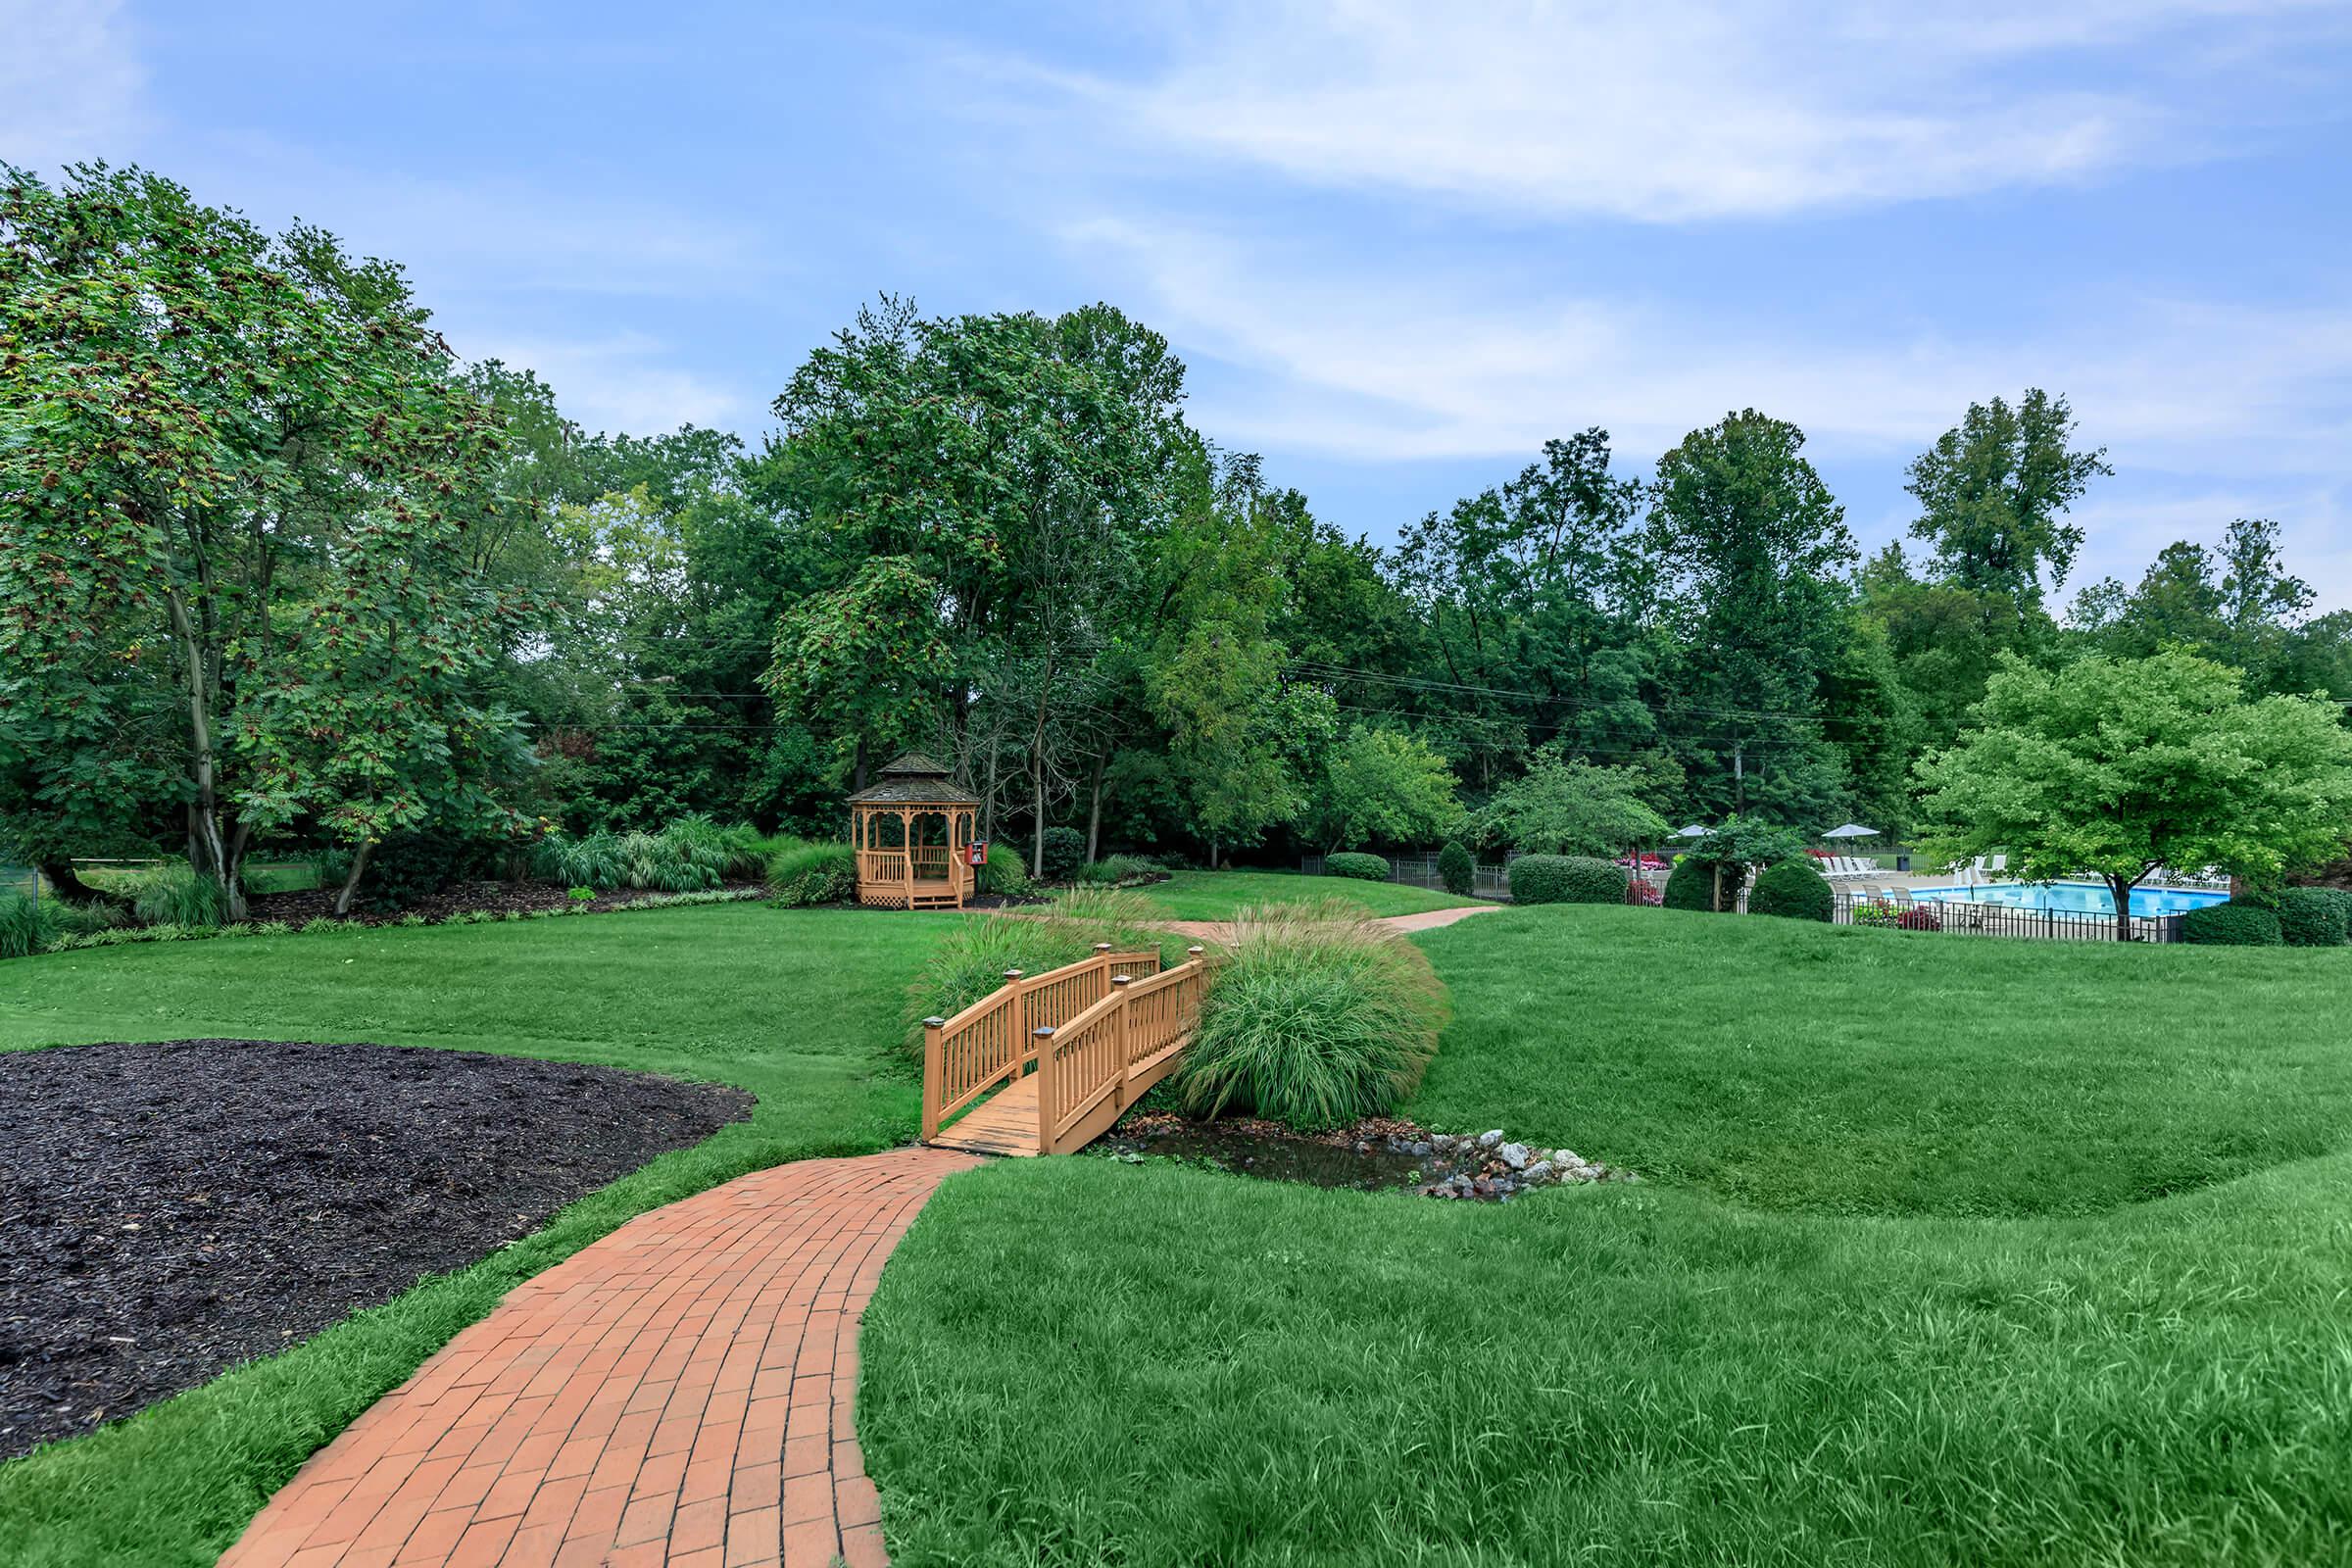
[1513,1155]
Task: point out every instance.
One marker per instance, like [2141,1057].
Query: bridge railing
[996,1039]
[1092,1068]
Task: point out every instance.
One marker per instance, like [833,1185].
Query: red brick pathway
[677,1393]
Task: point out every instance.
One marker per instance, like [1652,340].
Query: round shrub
[1065,851]
[2232,925]
[1319,1017]
[1456,869]
[800,876]
[1566,879]
[1356,863]
[2314,917]
[1793,890]
[1691,885]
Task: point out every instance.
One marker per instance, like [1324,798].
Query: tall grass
[26,925]
[800,873]
[175,895]
[688,856]
[1318,1017]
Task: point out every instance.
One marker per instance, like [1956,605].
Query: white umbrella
[1851,830]
[1694,831]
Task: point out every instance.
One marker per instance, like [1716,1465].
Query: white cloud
[1674,110]
[627,381]
[70,84]
[1354,361]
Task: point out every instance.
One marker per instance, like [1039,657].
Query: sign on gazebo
[913,836]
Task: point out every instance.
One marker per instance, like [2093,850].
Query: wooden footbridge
[1064,1053]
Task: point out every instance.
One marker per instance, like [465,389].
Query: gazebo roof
[912,778]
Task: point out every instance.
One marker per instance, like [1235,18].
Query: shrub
[175,895]
[805,874]
[319,925]
[1318,1017]
[1566,879]
[689,856]
[1004,875]
[1117,871]
[1456,869]
[2314,917]
[26,925]
[1691,885]
[1793,890]
[1637,891]
[1065,851]
[1921,917]
[2236,925]
[1356,863]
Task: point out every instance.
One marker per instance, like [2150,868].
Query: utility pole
[1738,776]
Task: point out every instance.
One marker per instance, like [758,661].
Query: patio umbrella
[1851,830]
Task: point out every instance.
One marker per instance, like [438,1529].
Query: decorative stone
[1541,1171]
[1513,1155]
[1487,1140]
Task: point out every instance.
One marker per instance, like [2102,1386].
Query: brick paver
[678,1393]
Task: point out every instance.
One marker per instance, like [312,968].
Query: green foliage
[1065,851]
[175,895]
[690,855]
[2314,917]
[1117,870]
[2117,766]
[244,481]
[1993,492]
[1745,841]
[1691,884]
[26,925]
[1456,869]
[1566,879]
[1572,808]
[1004,875]
[1356,863]
[1318,1018]
[1382,785]
[1793,889]
[2232,925]
[803,874]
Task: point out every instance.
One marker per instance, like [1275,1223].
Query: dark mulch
[170,1211]
[463,898]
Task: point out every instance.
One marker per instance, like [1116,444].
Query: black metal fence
[1996,919]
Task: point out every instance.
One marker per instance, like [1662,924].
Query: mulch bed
[463,898]
[168,1212]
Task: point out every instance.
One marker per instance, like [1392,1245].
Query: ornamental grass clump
[803,874]
[1318,1017]
[26,925]
[175,895]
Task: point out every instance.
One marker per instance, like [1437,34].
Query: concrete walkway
[680,1392]
[1404,924]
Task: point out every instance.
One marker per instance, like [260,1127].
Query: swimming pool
[2072,897]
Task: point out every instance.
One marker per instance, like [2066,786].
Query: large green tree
[1993,493]
[2115,766]
[239,475]
[1751,549]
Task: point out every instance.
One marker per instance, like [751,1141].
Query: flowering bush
[1920,917]
[1877,912]
[1639,892]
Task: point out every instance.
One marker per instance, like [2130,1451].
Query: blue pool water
[2072,897]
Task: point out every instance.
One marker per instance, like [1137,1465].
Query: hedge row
[1566,879]
[1356,863]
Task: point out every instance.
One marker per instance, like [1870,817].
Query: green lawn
[1905,1284]
[1217,894]
[797,1007]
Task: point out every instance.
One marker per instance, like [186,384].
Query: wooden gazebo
[913,836]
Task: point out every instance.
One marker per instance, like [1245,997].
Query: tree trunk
[988,796]
[351,883]
[1094,807]
[208,855]
[1037,760]
[2120,891]
[67,885]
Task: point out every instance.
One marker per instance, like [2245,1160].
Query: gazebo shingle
[913,779]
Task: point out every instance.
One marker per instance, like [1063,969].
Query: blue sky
[1397,244]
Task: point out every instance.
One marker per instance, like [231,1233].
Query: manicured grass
[1885,1296]
[1215,895]
[1796,1066]
[798,1008]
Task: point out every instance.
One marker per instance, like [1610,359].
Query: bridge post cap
[1041,1033]
[1102,947]
[1013,974]
[1122,979]
[935,1023]
[1196,950]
